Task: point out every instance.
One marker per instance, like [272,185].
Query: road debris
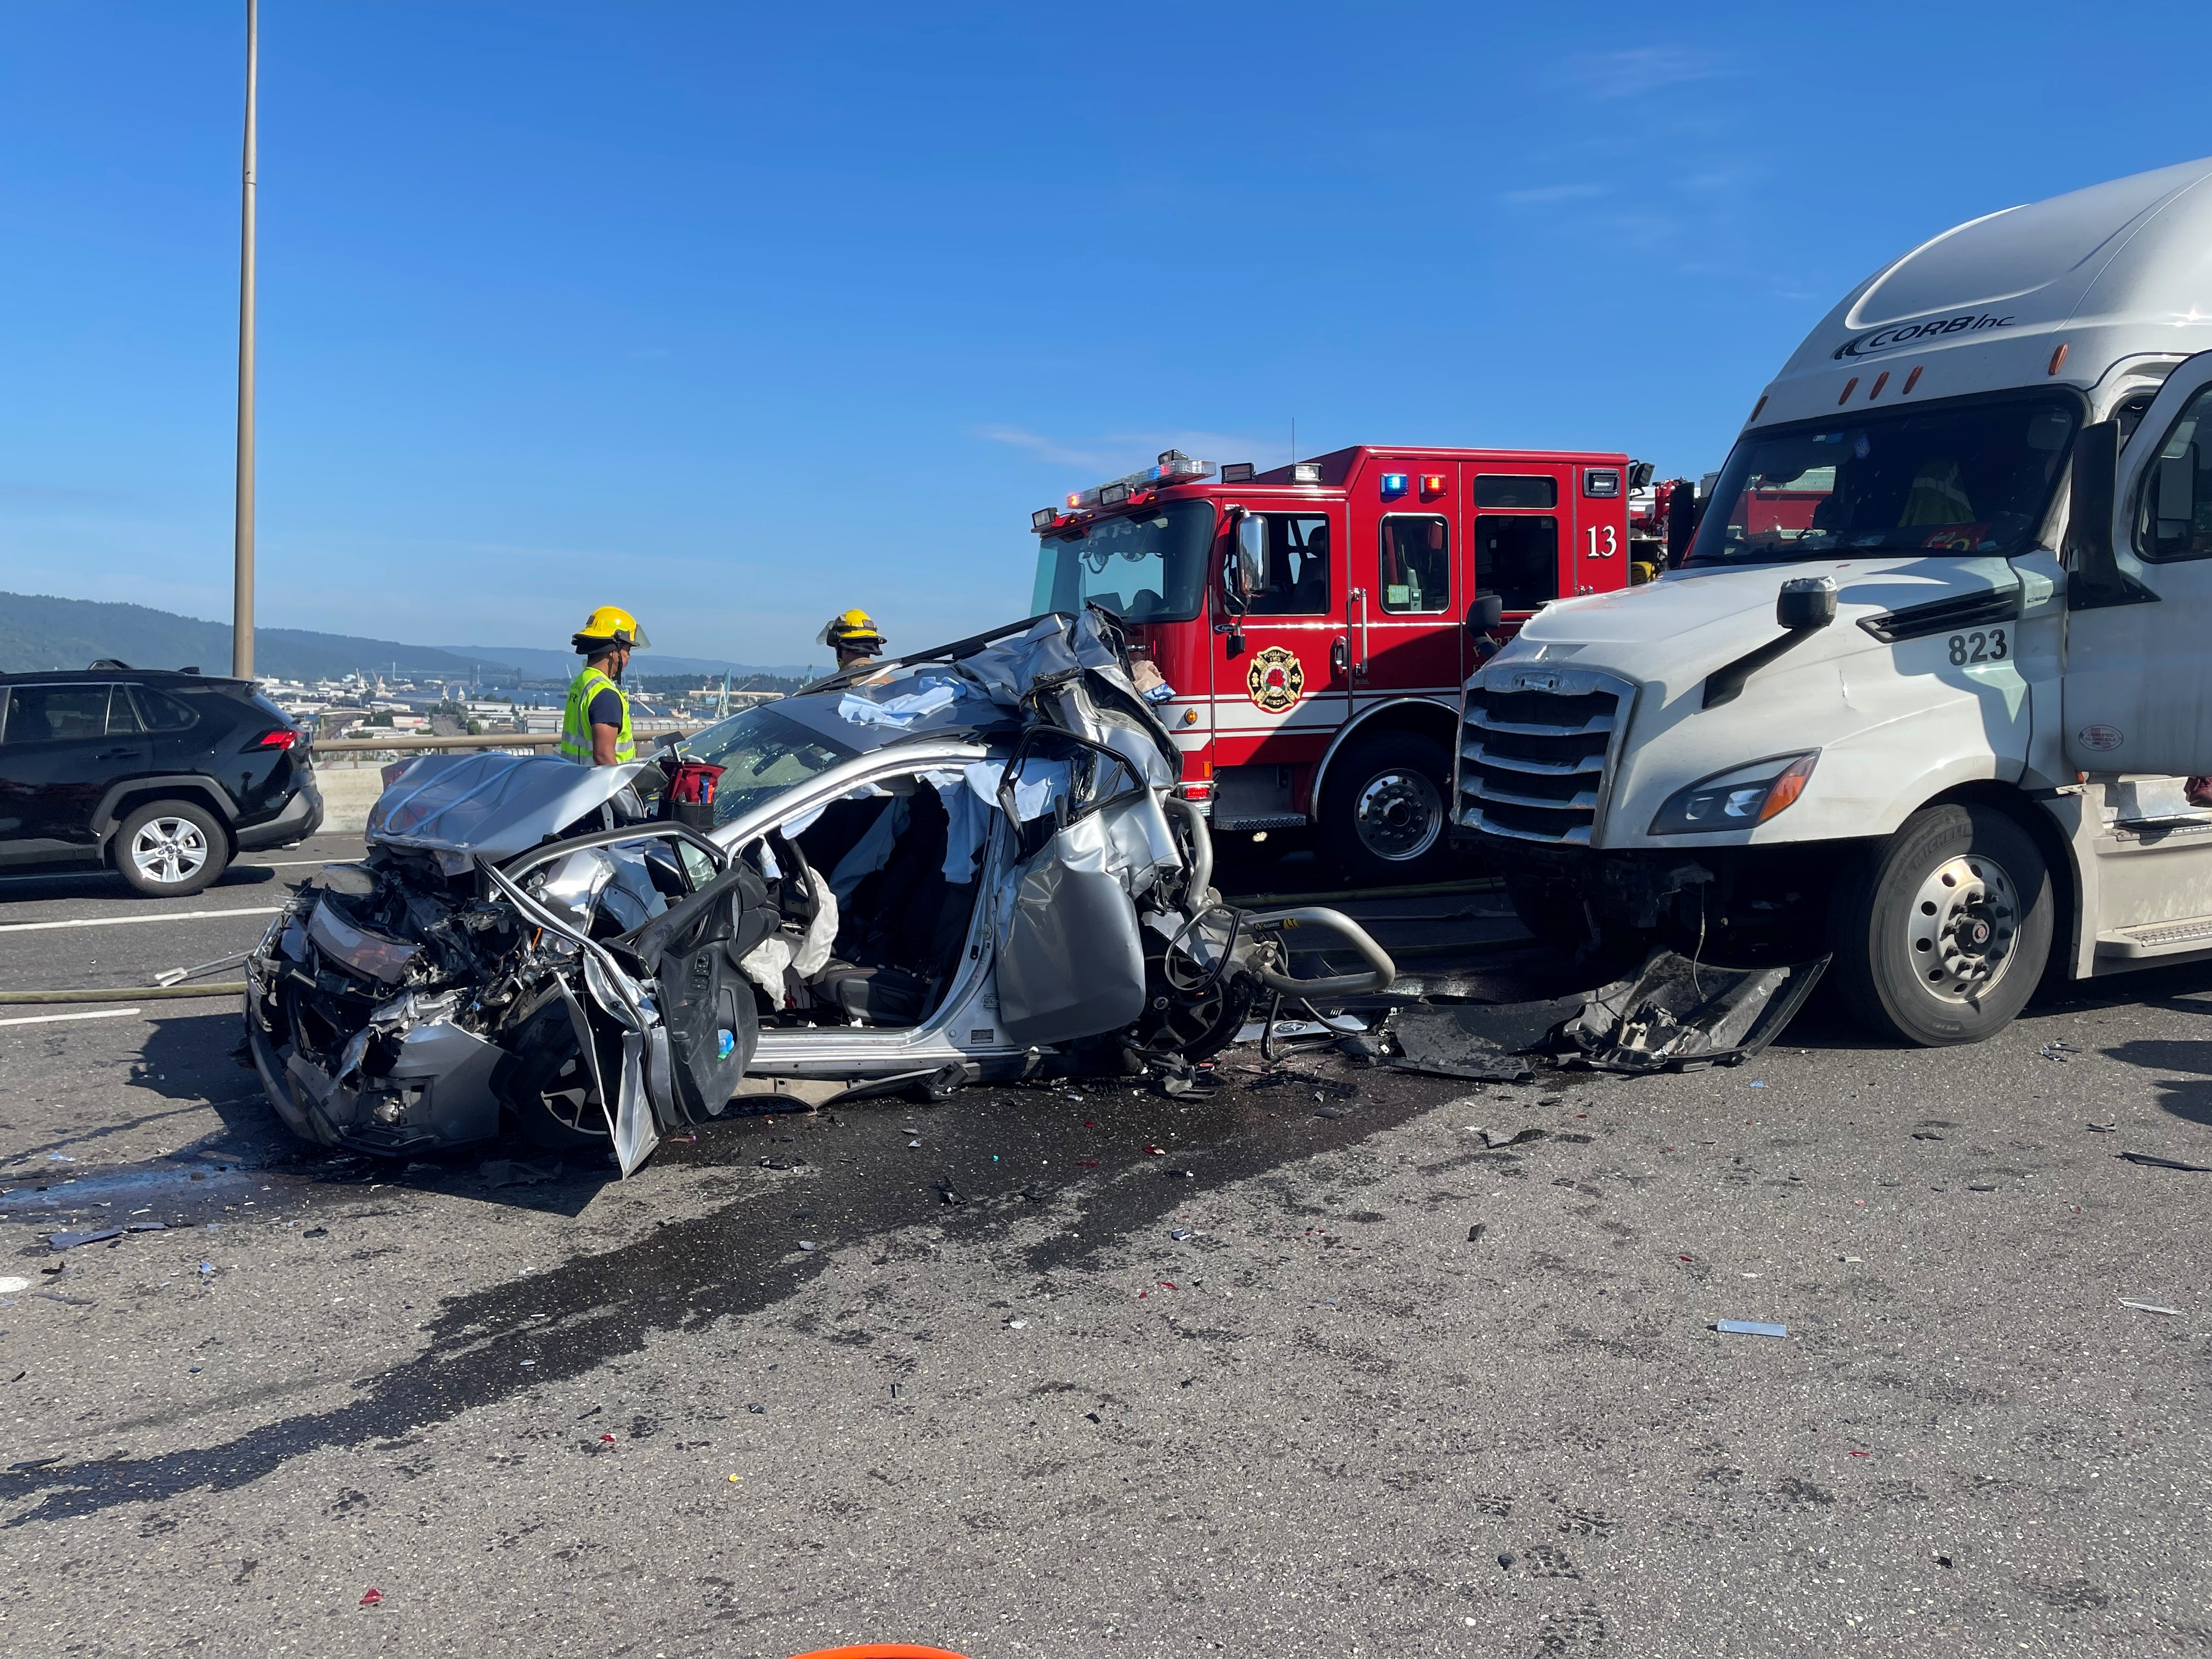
[2153,1308]
[70,1240]
[1487,1044]
[371,1596]
[2150,1161]
[1677,1012]
[1749,1328]
[2060,1050]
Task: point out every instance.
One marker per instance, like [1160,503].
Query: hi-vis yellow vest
[576,719]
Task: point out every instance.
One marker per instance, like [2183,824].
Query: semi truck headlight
[1736,801]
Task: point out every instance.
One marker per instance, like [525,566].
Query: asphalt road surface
[1303,1367]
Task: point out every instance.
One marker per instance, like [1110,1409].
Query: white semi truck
[1930,686]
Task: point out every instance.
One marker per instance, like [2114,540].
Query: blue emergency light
[1394,483]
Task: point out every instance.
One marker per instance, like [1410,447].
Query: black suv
[165,775]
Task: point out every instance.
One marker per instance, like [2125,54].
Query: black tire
[170,848]
[1550,910]
[1942,936]
[546,1083]
[1385,811]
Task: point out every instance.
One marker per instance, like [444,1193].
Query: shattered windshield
[762,755]
[1149,567]
[1966,478]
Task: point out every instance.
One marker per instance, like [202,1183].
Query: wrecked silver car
[965,865]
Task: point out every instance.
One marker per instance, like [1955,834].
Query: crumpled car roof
[491,806]
[992,682]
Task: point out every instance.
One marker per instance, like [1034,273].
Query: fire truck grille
[1533,762]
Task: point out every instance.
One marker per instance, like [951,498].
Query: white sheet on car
[970,797]
[902,712]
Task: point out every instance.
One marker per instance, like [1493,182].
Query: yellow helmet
[853,629]
[610,625]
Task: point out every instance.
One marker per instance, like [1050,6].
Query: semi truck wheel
[1382,811]
[1943,935]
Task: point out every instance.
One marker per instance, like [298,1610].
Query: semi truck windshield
[1969,477]
[1148,567]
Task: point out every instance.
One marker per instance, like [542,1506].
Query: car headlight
[1736,801]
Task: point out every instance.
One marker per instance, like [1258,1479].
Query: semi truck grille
[1533,750]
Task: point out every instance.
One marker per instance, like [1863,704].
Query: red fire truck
[1308,623]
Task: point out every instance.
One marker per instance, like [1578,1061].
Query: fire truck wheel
[1382,811]
[1943,933]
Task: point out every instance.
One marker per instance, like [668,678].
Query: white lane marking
[50,1019]
[285,864]
[118,921]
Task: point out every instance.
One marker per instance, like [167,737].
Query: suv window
[1416,563]
[160,712]
[56,714]
[122,719]
[1295,580]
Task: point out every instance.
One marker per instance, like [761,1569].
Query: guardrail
[416,744]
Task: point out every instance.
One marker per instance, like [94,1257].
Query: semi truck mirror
[1486,613]
[2094,576]
[2093,486]
[1806,603]
[1682,521]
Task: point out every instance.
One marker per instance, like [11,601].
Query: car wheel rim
[1960,939]
[169,850]
[1398,816]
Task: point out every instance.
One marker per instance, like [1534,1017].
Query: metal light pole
[241,600]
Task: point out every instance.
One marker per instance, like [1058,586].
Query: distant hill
[40,632]
[541,663]
[37,632]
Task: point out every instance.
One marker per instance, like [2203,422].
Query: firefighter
[595,721]
[853,636]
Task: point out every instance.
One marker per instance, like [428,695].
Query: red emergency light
[1175,467]
[1433,483]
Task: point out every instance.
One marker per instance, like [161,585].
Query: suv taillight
[283,738]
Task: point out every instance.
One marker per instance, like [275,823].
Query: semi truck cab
[1928,688]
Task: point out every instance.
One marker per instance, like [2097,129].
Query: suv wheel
[171,848]
[1383,815]
[1944,934]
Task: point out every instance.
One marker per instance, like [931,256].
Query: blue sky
[737,315]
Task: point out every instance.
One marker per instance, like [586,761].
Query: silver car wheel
[1399,814]
[1960,936]
[169,850]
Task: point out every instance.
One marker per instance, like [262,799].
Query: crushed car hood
[491,806]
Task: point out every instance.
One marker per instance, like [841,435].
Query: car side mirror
[1806,603]
[1487,611]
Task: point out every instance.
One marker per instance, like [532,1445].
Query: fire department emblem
[1275,679]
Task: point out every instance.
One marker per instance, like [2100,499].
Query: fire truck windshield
[1148,566]
[1972,477]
